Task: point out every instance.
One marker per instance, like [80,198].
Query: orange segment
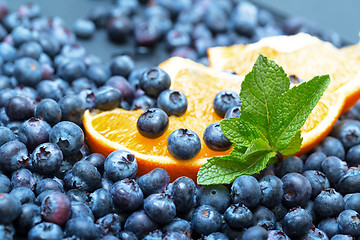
[304,56]
[116,129]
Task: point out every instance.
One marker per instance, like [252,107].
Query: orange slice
[113,130]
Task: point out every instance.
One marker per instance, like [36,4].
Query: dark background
[329,15]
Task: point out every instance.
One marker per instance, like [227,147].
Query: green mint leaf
[294,145]
[292,109]
[225,169]
[260,90]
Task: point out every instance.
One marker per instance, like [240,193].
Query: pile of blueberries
[53,187]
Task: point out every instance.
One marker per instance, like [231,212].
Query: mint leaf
[294,145]
[224,169]
[260,90]
[292,109]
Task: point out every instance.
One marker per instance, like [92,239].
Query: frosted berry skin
[183,144]
[225,100]
[215,139]
[152,123]
[56,208]
[172,102]
[154,81]
[119,165]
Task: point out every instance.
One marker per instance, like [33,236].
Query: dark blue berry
[10,208]
[83,228]
[68,136]
[153,81]
[23,178]
[277,235]
[279,211]
[255,232]
[5,186]
[81,210]
[140,224]
[97,73]
[271,191]
[72,108]
[119,28]
[334,168]
[342,237]
[152,123]
[353,202]
[83,176]
[49,111]
[238,216]
[314,233]
[331,146]
[77,195]
[206,220]
[33,132]
[348,132]
[100,202]
[177,225]
[84,28]
[296,222]
[297,189]
[56,208]
[107,98]
[172,102]
[224,100]
[314,161]
[29,217]
[329,203]
[109,224]
[97,160]
[127,195]
[353,156]
[183,191]
[246,189]
[48,184]
[13,155]
[6,135]
[143,102]
[71,70]
[155,181]
[27,71]
[51,89]
[329,226]
[19,108]
[263,217]
[160,208]
[217,196]
[127,235]
[350,182]
[349,222]
[244,18]
[121,65]
[120,164]
[291,164]
[233,112]
[46,230]
[318,181]
[30,49]
[120,83]
[24,194]
[215,139]
[183,144]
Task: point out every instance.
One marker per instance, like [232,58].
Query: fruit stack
[52,186]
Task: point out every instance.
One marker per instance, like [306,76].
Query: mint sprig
[270,122]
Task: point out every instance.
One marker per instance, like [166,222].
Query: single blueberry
[314,161]
[109,225]
[160,208]
[349,222]
[84,28]
[140,224]
[49,111]
[238,216]
[329,203]
[13,155]
[100,202]
[27,71]
[107,98]
[152,123]
[329,226]
[334,168]
[297,189]
[127,195]
[10,208]
[291,164]
[225,100]
[350,182]
[56,208]
[83,228]
[153,81]
[296,222]
[271,191]
[318,181]
[172,102]
[45,230]
[255,232]
[215,139]
[206,220]
[246,189]
[183,191]
[24,194]
[183,144]
[120,164]
[331,146]
[154,181]
[217,196]
[353,156]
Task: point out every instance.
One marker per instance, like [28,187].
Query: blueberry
[329,226]
[71,70]
[119,28]
[177,225]
[49,111]
[29,217]
[46,230]
[224,100]
[13,155]
[154,235]
[216,236]
[172,102]
[109,224]
[296,222]
[153,81]
[10,208]
[81,210]
[215,139]
[154,181]
[100,202]
[6,135]
[107,98]
[21,34]
[84,28]
[318,181]
[349,183]
[83,176]
[56,208]
[99,15]
[217,196]
[23,178]
[140,224]
[329,203]
[27,71]
[143,102]
[352,156]
[120,83]
[147,34]
[120,164]
[291,164]
[183,144]
[97,160]
[30,49]
[255,232]
[271,191]
[348,132]
[152,123]
[50,89]
[334,168]
[23,194]
[277,234]
[233,112]
[279,211]
[246,189]
[263,217]
[206,220]
[342,237]
[49,44]
[244,18]
[33,132]
[77,195]
[183,191]
[122,65]
[19,108]
[7,52]
[48,184]
[176,38]
[83,228]
[349,222]
[68,136]
[332,147]
[238,216]
[5,186]
[72,108]
[127,195]
[315,233]
[352,201]
[314,161]
[160,208]
[297,189]
[97,73]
